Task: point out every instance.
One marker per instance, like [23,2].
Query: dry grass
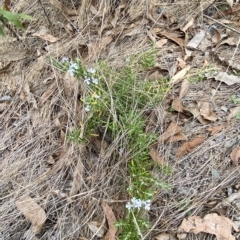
[37,160]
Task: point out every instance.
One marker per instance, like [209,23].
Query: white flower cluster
[138,203]
[88,76]
[64,59]
[72,68]
[87,108]
[88,79]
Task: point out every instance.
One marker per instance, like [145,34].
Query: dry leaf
[226,78]
[196,142]
[93,10]
[217,36]
[232,41]
[33,212]
[156,157]
[205,111]
[94,49]
[180,75]
[172,129]
[165,236]
[230,2]
[177,105]
[184,88]
[99,144]
[42,33]
[188,25]
[111,219]
[196,40]
[96,228]
[189,146]
[193,109]
[14,55]
[161,42]
[154,76]
[235,155]
[211,223]
[178,137]
[174,37]
[233,113]
[181,63]
[215,129]
[77,178]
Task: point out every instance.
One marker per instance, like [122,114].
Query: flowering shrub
[115,100]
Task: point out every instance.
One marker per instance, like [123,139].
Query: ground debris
[211,223]
[33,212]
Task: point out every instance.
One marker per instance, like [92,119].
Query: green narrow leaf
[1,32]
[10,16]
[25,16]
[3,20]
[17,23]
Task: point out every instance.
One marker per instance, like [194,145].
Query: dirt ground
[39,107]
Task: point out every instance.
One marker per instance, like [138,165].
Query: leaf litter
[188,147]
[45,155]
[111,219]
[235,155]
[220,226]
[33,212]
[172,134]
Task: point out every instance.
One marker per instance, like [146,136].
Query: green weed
[8,17]
[235,99]
[115,100]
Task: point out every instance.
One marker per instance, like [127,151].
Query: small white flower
[87,81]
[71,72]
[95,80]
[64,59]
[148,207]
[91,70]
[73,66]
[147,204]
[138,203]
[128,206]
[87,108]
[121,151]
[96,96]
